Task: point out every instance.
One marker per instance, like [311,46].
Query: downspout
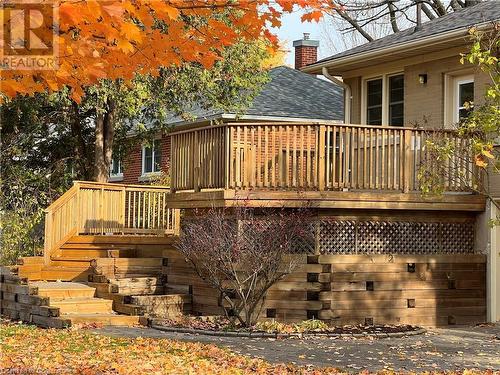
[347,94]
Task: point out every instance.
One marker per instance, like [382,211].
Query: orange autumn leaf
[131,32]
[123,36]
[480,162]
[312,16]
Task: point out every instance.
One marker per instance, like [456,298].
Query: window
[374,102]
[116,169]
[463,93]
[396,100]
[384,100]
[151,157]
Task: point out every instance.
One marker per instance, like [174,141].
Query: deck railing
[309,157]
[103,208]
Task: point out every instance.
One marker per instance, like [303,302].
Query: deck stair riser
[89,254]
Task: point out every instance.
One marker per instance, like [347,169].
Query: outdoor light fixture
[422,79]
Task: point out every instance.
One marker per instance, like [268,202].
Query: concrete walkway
[439,349]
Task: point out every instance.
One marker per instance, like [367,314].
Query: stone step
[83,306]
[62,290]
[105,319]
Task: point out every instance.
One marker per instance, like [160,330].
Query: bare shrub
[242,253]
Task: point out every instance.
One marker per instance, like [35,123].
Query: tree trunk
[82,161]
[104,134]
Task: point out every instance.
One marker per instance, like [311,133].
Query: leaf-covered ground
[30,350]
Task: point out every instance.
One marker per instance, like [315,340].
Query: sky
[292,29]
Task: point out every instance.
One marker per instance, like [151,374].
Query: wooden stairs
[110,280]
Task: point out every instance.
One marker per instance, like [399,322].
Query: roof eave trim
[277,118]
[315,68]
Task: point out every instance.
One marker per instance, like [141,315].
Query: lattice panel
[388,237]
[457,237]
[395,237]
[337,237]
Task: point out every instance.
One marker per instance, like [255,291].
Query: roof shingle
[288,94]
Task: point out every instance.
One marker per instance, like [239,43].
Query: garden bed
[219,326]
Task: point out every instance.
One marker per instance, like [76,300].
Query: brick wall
[132,166]
[305,55]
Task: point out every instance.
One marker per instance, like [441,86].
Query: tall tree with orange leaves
[103,46]
[120,38]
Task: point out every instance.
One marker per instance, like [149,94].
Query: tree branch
[354,24]
[392,13]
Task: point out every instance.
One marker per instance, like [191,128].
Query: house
[383,253]
[388,254]
[289,96]
[415,78]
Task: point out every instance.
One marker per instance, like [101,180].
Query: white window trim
[459,80]
[113,177]
[146,175]
[385,95]
[450,98]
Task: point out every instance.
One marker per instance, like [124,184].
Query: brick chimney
[306,51]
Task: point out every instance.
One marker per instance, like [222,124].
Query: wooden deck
[345,166]
[387,266]
[326,199]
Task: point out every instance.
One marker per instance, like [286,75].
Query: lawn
[26,349]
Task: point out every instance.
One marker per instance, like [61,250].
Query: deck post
[196,171]
[123,208]
[173,164]
[101,210]
[408,171]
[227,144]
[77,209]
[48,237]
[321,157]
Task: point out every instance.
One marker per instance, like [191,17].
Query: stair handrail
[56,234]
[131,209]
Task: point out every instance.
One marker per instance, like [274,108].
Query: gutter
[270,118]
[392,49]
[347,94]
